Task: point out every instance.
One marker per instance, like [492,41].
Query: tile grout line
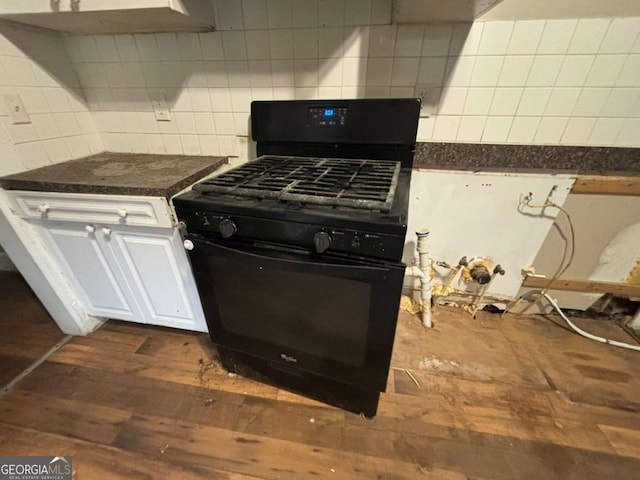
[5,389]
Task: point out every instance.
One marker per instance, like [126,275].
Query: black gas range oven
[297,254]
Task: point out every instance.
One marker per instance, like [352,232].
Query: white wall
[482,215]
[570,82]
[35,65]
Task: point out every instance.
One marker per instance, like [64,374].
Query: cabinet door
[93,271]
[158,270]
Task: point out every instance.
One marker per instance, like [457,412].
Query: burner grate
[366,184]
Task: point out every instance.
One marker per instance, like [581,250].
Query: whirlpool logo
[288,358]
[35,468]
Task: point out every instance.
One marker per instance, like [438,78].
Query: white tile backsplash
[496,129]
[405,72]
[523,129]
[605,131]
[630,73]
[409,40]
[574,70]
[470,128]
[621,35]
[550,130]
[495,38]
[525,37]
[515,70]
[279,13]
[431,71]
[505,101]
[436,39]
[486,71]
[357,12]
[578,130]
[382,41]
[305,43]
[605,70]
[588,35]
[533,101]
[254,14]
[446,127]
[458,69]
[556,36]
[562,101]
[61,126]
[331,13]
[478,101]
[533,81]
[544,70]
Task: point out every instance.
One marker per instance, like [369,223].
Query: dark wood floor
[26,329]
[518,397]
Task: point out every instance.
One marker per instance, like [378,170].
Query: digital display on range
[327,116]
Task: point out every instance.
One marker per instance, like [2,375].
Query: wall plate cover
[16,110]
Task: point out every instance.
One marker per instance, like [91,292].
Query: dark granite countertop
[527,158]
[117,174]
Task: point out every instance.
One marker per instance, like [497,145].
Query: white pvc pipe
[588,335]
[424,264]
[635,321]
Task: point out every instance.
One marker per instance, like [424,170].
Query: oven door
[323,314]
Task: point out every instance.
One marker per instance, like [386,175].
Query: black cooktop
[335,182]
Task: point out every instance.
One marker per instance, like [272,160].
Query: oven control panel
[303,235]
[327,116]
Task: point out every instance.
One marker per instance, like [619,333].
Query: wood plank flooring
[496,398]
[26,329]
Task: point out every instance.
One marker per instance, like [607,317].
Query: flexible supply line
[561,269]
[581,332]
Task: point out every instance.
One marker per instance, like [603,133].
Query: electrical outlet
[160,108]
[17,112]
[428,96]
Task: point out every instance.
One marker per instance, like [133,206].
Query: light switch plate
[160,108]
[15,107]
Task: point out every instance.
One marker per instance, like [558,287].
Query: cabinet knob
[90,228]
[106,230]
[122,213]
[188,245]
[43,208]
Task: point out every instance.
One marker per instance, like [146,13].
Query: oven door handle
[271,255]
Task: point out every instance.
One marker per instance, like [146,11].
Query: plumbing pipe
[424,264]
[474,307]
[588,335]
[452,274]
[635,321]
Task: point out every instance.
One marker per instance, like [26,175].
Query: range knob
[227,228]
[322,241]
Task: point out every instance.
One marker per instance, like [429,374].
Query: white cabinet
[157,269]
[111,16]
[92,269]
[122,255]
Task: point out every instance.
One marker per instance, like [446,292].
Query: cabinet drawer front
[104,209]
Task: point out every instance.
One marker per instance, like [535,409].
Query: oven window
[323,316]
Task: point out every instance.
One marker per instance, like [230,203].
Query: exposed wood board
[614,185]
[592,286]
